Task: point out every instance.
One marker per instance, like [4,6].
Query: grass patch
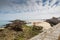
[28,32]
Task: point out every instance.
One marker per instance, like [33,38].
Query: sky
[29,9]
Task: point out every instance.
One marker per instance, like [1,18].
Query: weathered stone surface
[50,34]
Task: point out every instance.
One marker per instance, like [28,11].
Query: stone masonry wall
[50,34]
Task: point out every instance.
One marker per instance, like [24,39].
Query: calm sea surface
[4,22]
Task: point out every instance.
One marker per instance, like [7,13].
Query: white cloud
[32,10]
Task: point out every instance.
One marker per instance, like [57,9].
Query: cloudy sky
[29,9]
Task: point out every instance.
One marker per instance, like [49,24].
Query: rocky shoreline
[18,30]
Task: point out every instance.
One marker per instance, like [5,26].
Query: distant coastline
[3,22]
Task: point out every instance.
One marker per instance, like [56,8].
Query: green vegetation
[18,30]
[29,32]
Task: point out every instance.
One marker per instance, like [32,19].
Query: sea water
[3,22]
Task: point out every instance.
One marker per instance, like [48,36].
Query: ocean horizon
[4,22]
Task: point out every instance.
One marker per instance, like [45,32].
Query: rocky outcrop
[12,30]
[45,25]
[50,34]
[53,21]
[16,25]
